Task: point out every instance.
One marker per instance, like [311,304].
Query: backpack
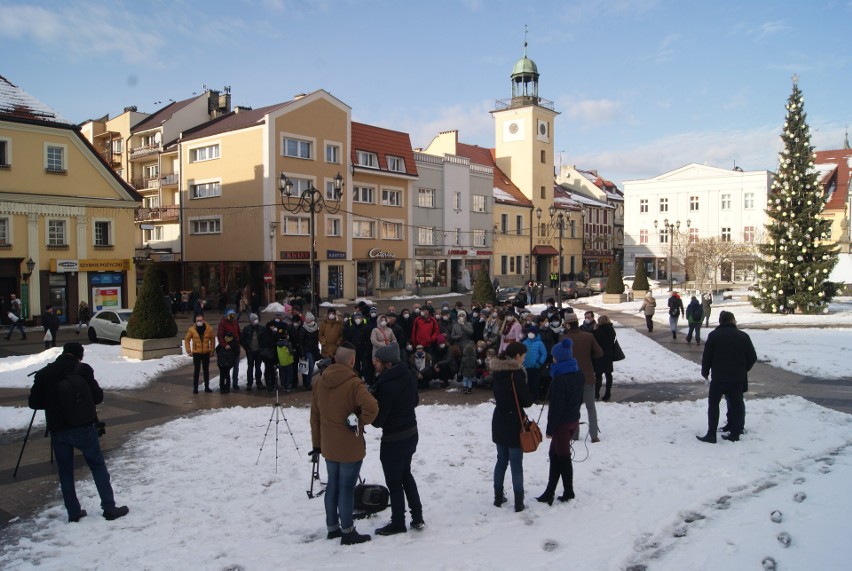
[370,499]
[697,313]
[74,398]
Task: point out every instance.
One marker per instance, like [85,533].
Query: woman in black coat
[563,417]
[605,336]
[508,371]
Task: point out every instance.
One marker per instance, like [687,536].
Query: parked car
[109,325]
[507,294]
[596,285]
[573,290]
[628,282]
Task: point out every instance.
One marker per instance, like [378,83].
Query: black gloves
[315,454]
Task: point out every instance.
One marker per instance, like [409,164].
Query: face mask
[416,312]
[405,315]
[549,307]
[383,322]
[476,315]
[254,322]
[199,323]
[587,321]
[358,320]
[509,318]
[420,354]
[332,316]
[373,315]
[408,347]
[556,326]
[277,320]
[530,335]
[446,317]
[545,324]
[442,346]
[461,319]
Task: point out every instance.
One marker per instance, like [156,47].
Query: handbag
[530,434]
[303,366]
[617,353]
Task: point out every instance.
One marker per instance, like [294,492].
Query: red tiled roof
[159,117]
[483,156]
[384,143]
[840,177]
[233,121]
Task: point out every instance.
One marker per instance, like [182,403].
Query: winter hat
[388,354]
[439,339]
[531,329]
[288,308]
[73,348]
[572,318]
[563,350]
[461,313]
[253,316]
[309,317]
[231,311]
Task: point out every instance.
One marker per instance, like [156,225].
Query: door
[59,301]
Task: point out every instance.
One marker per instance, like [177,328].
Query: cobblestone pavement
[129,411]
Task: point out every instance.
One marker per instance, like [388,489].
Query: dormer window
[396,164]
[366,159]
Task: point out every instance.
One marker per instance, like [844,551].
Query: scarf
[507,327]
[310,326]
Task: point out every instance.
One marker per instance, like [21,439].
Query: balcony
[144,151]
[147,183]
[169,179]
[163,214]
[113,159]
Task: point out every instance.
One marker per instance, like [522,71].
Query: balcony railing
[113,159]
[146,182]
[523,100]
[144,151]
[169,179]
[164,213]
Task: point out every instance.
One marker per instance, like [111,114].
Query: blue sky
[643,86]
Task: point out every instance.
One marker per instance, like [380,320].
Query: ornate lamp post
[558,221]
[670,232]
[312,201]
[25,289]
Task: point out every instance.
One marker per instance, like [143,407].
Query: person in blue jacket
[534,360]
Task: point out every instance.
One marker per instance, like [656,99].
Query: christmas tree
[796,260]
[151,317]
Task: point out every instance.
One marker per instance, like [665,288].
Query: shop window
[392,274]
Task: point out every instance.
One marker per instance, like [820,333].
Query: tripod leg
[287,424]
[26,438]
[265,434]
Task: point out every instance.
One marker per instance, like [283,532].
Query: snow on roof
[502,195]
[824,169]
[17,103]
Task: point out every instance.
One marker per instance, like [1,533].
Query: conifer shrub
[640,282]
[483,289]
[615,282]
[151,318]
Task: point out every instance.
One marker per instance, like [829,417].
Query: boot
[352,537]
[674,334]
[207,388]
[259,385]
[195,388]
[519,503]
[499,497]
[392,529]
[566,470]
[552,480]
[116,512]
[709,438]
[606,396]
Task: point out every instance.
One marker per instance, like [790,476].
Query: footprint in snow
[777,516]
[799,480]
[785,539]
[799,497]
[550,545]
[769,564]
[690,517]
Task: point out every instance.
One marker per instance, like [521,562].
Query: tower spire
[525,40]
[846,142]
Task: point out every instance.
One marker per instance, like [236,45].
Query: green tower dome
[525,66]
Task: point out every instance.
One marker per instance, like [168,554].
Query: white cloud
[593,112]
[771,28]
[666,51]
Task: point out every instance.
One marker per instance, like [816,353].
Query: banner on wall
[106,298]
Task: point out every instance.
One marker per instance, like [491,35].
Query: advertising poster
[106,297]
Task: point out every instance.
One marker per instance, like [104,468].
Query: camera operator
[68,392]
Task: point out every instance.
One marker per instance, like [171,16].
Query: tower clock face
[513,130]
[543,131]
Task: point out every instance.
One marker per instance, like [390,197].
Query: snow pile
[648,494]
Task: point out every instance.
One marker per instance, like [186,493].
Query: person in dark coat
[252,338]
[396,392]
[563,420]
[75,431]
[729,355]
[275,329]
[357,332]
[226,355]
[307,347]
[675,304]
[508,372]
[605,336]
[50,323]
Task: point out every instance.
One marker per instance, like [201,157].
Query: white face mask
[358,320]
[509,318]
[442,346]
[416,312]
[383,322]
[530,335]
[446,317]
[199,323]
[254,322]
[405,316]
[332,316]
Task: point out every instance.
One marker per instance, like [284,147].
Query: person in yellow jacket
[330,333]
[199,343]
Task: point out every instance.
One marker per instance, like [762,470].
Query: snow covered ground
[648,494]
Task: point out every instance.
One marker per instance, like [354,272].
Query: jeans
[253,362]
[19,325]
[85,439]
[467,382]
[307,378]
[201,361]
[673,323]
[696,327]
[286,376]
[340,494]
[236,371]
[396,464]
[513,457]
[589,401]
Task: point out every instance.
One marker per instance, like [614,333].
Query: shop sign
[167,257]
[379,253]
[427,251]
[484,253]
[457,252]
[295,255]
[59,266]
[335,255]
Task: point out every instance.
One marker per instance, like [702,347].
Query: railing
[146,182]
[432,159]
[169,179]
[112,158]
[139,152]
[164,213]
[523,100]
[482,169]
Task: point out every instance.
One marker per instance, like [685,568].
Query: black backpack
[697,313]
[76,405]
[370,499]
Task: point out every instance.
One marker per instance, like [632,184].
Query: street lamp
[30,268]
[312,201]
[670,232]
[558,221]
[25,289]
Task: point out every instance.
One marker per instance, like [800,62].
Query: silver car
[109,325]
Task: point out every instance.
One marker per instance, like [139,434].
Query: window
[543,191]
[332,153]
[693,203]
[205,226]
[518,264]
[573,229]
[391,231]
[392,274]
[295,225]
[748,200]
[205,190]
[4,232]
[207,153]
[363,194]
[643,206]
[396,164]
[478,203]
[363,229]
[664,236]
[426,236]
[511,264]
[748,234]
[504,223]
[643,236]
[391,197]
[151,171]
[726,202]
[426,197]
[330,193]
[102,233]
[519,225]
[332,226]
[693,235]
[298,148]
[457,237]
[457,202]
[56,233]
[726,234]
[155,233]
[479,238]
[664,205]
[504,265]
[366,159]
[300,185]
[150,202]
[55,158]
[5,153]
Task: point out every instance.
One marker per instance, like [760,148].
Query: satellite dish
[158,137]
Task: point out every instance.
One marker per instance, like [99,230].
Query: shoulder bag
[617,353]
[530,432]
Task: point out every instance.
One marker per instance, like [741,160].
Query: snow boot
[352,537]
[116,512]
[552,480]
[499,497]
[566,470]
[519,503]
[392,529]
[709,438]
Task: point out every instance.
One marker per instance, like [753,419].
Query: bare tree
[707,255]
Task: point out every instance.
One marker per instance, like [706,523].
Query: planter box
[614,297]
[145,349]
[639,294]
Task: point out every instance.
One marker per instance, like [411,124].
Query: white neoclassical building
[688,204]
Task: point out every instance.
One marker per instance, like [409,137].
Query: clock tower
[524,135]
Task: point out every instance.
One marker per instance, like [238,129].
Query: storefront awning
[545,250]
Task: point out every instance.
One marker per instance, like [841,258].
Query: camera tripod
[277,415]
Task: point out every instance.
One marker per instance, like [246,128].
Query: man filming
[67,391]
